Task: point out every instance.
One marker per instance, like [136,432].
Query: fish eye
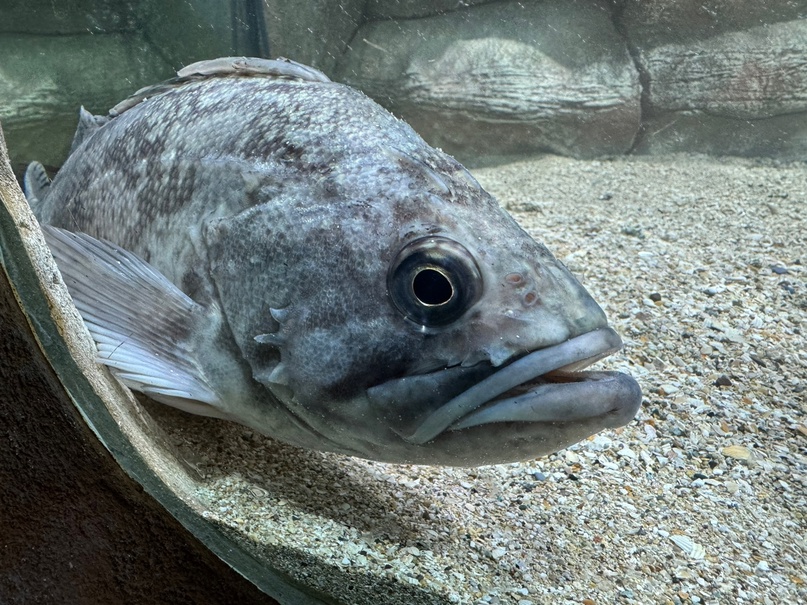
[433,281]
[432,287]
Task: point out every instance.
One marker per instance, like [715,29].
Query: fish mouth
[545,386]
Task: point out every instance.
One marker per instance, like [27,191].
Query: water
[613,130]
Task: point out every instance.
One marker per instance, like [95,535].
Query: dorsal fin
[36,183]
[253,66]
[87,125]
[225,67]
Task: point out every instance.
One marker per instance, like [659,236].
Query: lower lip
[575,353]
[609,399]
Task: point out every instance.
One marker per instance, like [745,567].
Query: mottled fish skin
[278,204]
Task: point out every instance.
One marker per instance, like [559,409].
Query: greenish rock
[58,56]
[751,74]
[509,78]
[64,17]
[739,93]
[407,9]
[783,137]
[45,79]
[187,31]
[651,23]
[316,33]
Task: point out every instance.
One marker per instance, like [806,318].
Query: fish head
[430,328]
[480,289]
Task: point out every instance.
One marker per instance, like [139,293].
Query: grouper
[254,242]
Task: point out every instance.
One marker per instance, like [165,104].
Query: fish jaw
[609,396]
[530,407]
[513,441]
[576,352]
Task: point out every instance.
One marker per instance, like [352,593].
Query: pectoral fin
[142,324]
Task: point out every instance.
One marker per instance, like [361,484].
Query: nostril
[514,278]
[530,298]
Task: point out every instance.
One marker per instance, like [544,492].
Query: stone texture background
[485,80]
[504,78]
[722,76]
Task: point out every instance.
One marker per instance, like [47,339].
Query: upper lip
[569,356]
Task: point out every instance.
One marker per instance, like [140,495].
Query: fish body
[254,242]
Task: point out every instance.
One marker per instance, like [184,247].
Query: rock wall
[67,17]
[408,9]
[588,78]
[720,77]
[505,78]
[484,79]
[315,32]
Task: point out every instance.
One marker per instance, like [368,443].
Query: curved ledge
[29,275]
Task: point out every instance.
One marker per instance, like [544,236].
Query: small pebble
[498,553]
[723,381]
[731,487]
[738,452]
[668,389]
[757,359]
[258,492]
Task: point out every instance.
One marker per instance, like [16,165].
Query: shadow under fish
[251,241]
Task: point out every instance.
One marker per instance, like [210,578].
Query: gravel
[700,264]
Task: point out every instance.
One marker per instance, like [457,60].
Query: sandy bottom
[700,265]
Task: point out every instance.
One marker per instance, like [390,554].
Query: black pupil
[432,287]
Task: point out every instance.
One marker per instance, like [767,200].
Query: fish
[254,242]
